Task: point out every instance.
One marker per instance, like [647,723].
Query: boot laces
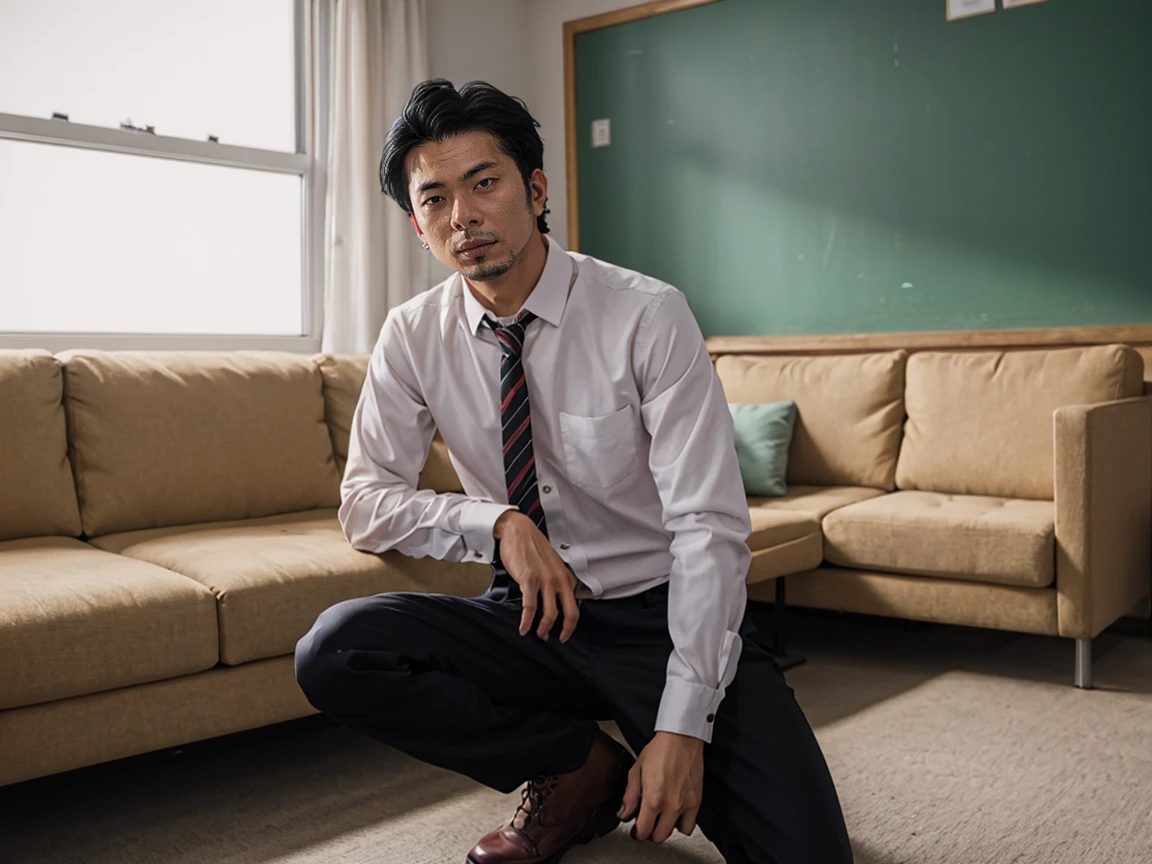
[536,793]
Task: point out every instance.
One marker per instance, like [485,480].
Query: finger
[664,826]
[529,610]
[571,613]
[631,795]
[549,616]
[645,822]
[687,823]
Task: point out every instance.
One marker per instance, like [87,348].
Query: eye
[488,180]
[428,202]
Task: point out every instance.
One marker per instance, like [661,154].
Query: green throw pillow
[763,433]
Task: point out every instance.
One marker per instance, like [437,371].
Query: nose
[465,214]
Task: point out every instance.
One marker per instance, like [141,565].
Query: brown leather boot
[557,812]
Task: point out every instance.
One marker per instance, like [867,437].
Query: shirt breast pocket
[600,451]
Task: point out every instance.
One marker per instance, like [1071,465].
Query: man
[594,443]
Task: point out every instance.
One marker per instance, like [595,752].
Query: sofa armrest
[1103,479]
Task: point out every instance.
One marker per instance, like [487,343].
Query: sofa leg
[784,660]
[1084,663]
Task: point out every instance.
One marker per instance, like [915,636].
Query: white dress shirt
[634,449]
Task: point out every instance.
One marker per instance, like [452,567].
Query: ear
[538,186]
[415,225]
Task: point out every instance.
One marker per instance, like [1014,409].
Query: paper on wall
[966,8]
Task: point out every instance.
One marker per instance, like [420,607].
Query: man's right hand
[530,559]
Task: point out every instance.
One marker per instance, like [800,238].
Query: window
[124,225]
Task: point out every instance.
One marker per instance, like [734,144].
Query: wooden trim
[571,30]
[846,343]
[631,13]
[570,139]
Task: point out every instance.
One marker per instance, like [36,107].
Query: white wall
[517,45]
[480,40]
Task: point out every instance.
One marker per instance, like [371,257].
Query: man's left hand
[666,785]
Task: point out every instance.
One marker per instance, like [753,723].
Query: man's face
[470,205]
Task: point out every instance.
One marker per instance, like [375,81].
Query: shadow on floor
[295,779]
[309,783]
[855,662]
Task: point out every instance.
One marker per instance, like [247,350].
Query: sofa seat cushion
[76,620]
[782,542]
[774,527]
[273,576]
[980,539]
[817,501]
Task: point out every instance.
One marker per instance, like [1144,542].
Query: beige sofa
[168,525]
[167,532]
[1000,489]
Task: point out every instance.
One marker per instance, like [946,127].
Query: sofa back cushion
[37,495]
[850,412]
[172,438]
[980,423]
[343,379]
[1145,351]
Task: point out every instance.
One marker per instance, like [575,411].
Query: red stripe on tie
[516,435]
[508,398]
[515,483]
[532,509]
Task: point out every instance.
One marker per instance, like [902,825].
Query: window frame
[311,98]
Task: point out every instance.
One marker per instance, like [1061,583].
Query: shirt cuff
[477,521]
[688,708]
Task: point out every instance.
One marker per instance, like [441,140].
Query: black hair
[436,110]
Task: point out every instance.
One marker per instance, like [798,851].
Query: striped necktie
[516,422]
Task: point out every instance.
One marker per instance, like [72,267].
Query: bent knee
[317,660]
[377,623]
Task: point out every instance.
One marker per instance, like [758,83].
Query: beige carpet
[947,745]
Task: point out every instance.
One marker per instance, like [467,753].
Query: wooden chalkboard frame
[1133,334]
[571,30]
[1137,335]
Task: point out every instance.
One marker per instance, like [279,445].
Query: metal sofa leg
[1084,663]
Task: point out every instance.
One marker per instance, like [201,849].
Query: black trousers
[450,681]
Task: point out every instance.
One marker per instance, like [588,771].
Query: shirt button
[547,489]
[478,554]
[710,717]
[565,546]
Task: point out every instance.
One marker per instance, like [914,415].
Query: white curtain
[373,261]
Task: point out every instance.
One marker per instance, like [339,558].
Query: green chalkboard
[853,166]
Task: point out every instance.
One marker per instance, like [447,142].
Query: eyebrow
[467,175]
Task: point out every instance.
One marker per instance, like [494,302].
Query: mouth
[475,248]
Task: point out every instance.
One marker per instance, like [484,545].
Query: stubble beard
[485,272]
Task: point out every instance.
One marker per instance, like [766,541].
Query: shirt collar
[548,298]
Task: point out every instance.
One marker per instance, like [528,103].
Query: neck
[504,296]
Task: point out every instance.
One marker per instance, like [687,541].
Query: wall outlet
[601,133]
